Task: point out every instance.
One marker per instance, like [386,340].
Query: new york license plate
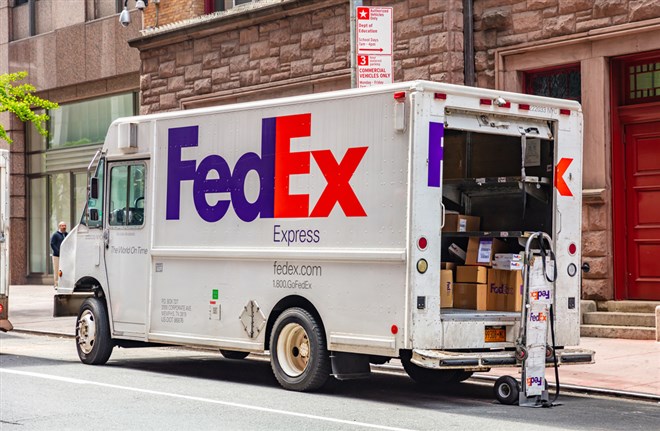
[495,334]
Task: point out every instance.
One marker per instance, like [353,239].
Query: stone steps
[633,320]
[617,318]
[610,331]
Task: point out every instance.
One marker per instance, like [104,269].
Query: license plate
[495,334]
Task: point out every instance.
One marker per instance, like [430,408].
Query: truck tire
[461,375]
[429,378]
[298,353]
[234,354]
[506,390]
[93,341]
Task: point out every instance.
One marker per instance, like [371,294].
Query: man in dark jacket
[55,242]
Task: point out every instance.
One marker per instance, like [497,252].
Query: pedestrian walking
[55,242]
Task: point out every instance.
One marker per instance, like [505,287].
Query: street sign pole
[353,5]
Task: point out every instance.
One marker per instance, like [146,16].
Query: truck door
[127,258]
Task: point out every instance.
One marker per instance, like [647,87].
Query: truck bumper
[482,361]
[5,325]
[69,304]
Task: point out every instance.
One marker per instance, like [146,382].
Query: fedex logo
[274,166]
[501,289]
[534,381]
[540,294]
[538,317]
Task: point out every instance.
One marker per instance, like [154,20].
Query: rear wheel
[298,354]
[93,341]
[461,375]
[233,354]
[427,377]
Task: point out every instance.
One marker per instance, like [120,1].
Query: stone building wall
[502,23]
[296,42]
[172,11]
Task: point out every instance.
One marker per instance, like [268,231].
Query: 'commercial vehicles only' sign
[374,46]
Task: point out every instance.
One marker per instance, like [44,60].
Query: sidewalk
[621,365]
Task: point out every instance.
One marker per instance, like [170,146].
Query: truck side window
[97,204]
[127,186]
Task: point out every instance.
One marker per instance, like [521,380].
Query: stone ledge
[594,196]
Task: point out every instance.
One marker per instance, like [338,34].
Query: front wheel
[93,341]
[298,354]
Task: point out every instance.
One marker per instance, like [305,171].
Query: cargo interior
[506,181]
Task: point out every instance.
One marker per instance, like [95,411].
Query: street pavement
[626,366]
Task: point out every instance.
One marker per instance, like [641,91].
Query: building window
[563,82]
[57,167]
[643,82]
[19,2]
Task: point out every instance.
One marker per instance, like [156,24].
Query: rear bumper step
[481,361]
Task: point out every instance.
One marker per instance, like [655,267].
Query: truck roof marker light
[400,96]
[564,112]
[485,102]
[572,249]
[422,266]
[60,273]
[523,106]
[440,96]
[422,243]
[394,329]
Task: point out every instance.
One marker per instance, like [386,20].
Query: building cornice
[209,25]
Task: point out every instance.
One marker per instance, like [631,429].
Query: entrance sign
[374,46]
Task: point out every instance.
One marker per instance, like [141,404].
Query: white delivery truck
[5,324]
[311,227]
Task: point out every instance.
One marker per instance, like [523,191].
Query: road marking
[205,400]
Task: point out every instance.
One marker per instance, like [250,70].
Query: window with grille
[642,81]
[563,82]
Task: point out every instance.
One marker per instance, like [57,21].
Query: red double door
[642,210]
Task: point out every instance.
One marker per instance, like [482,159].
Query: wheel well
[289,302]
[89,284]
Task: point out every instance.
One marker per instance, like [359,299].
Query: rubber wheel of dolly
[506,390]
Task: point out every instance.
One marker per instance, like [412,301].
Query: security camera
[140,4]
[500,101]
[124,17]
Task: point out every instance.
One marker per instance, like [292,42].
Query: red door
[642,177]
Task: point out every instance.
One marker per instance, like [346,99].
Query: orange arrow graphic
[560,183]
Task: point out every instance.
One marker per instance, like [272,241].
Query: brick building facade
[190,56]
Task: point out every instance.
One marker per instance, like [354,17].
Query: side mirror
[94,188]
[94,214]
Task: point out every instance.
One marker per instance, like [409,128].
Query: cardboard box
[461,223]
[481,250]
[457,252]
[472,274]
[471,296]
[504,290]
[446,288]
[448,265]
[511,266]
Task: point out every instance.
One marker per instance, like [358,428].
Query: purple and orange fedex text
[274,166]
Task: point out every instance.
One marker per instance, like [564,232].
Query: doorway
[636,177]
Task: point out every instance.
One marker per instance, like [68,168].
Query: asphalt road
[43,386]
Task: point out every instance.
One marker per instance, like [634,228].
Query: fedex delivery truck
[312,227]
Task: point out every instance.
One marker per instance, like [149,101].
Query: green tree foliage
[20,101]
